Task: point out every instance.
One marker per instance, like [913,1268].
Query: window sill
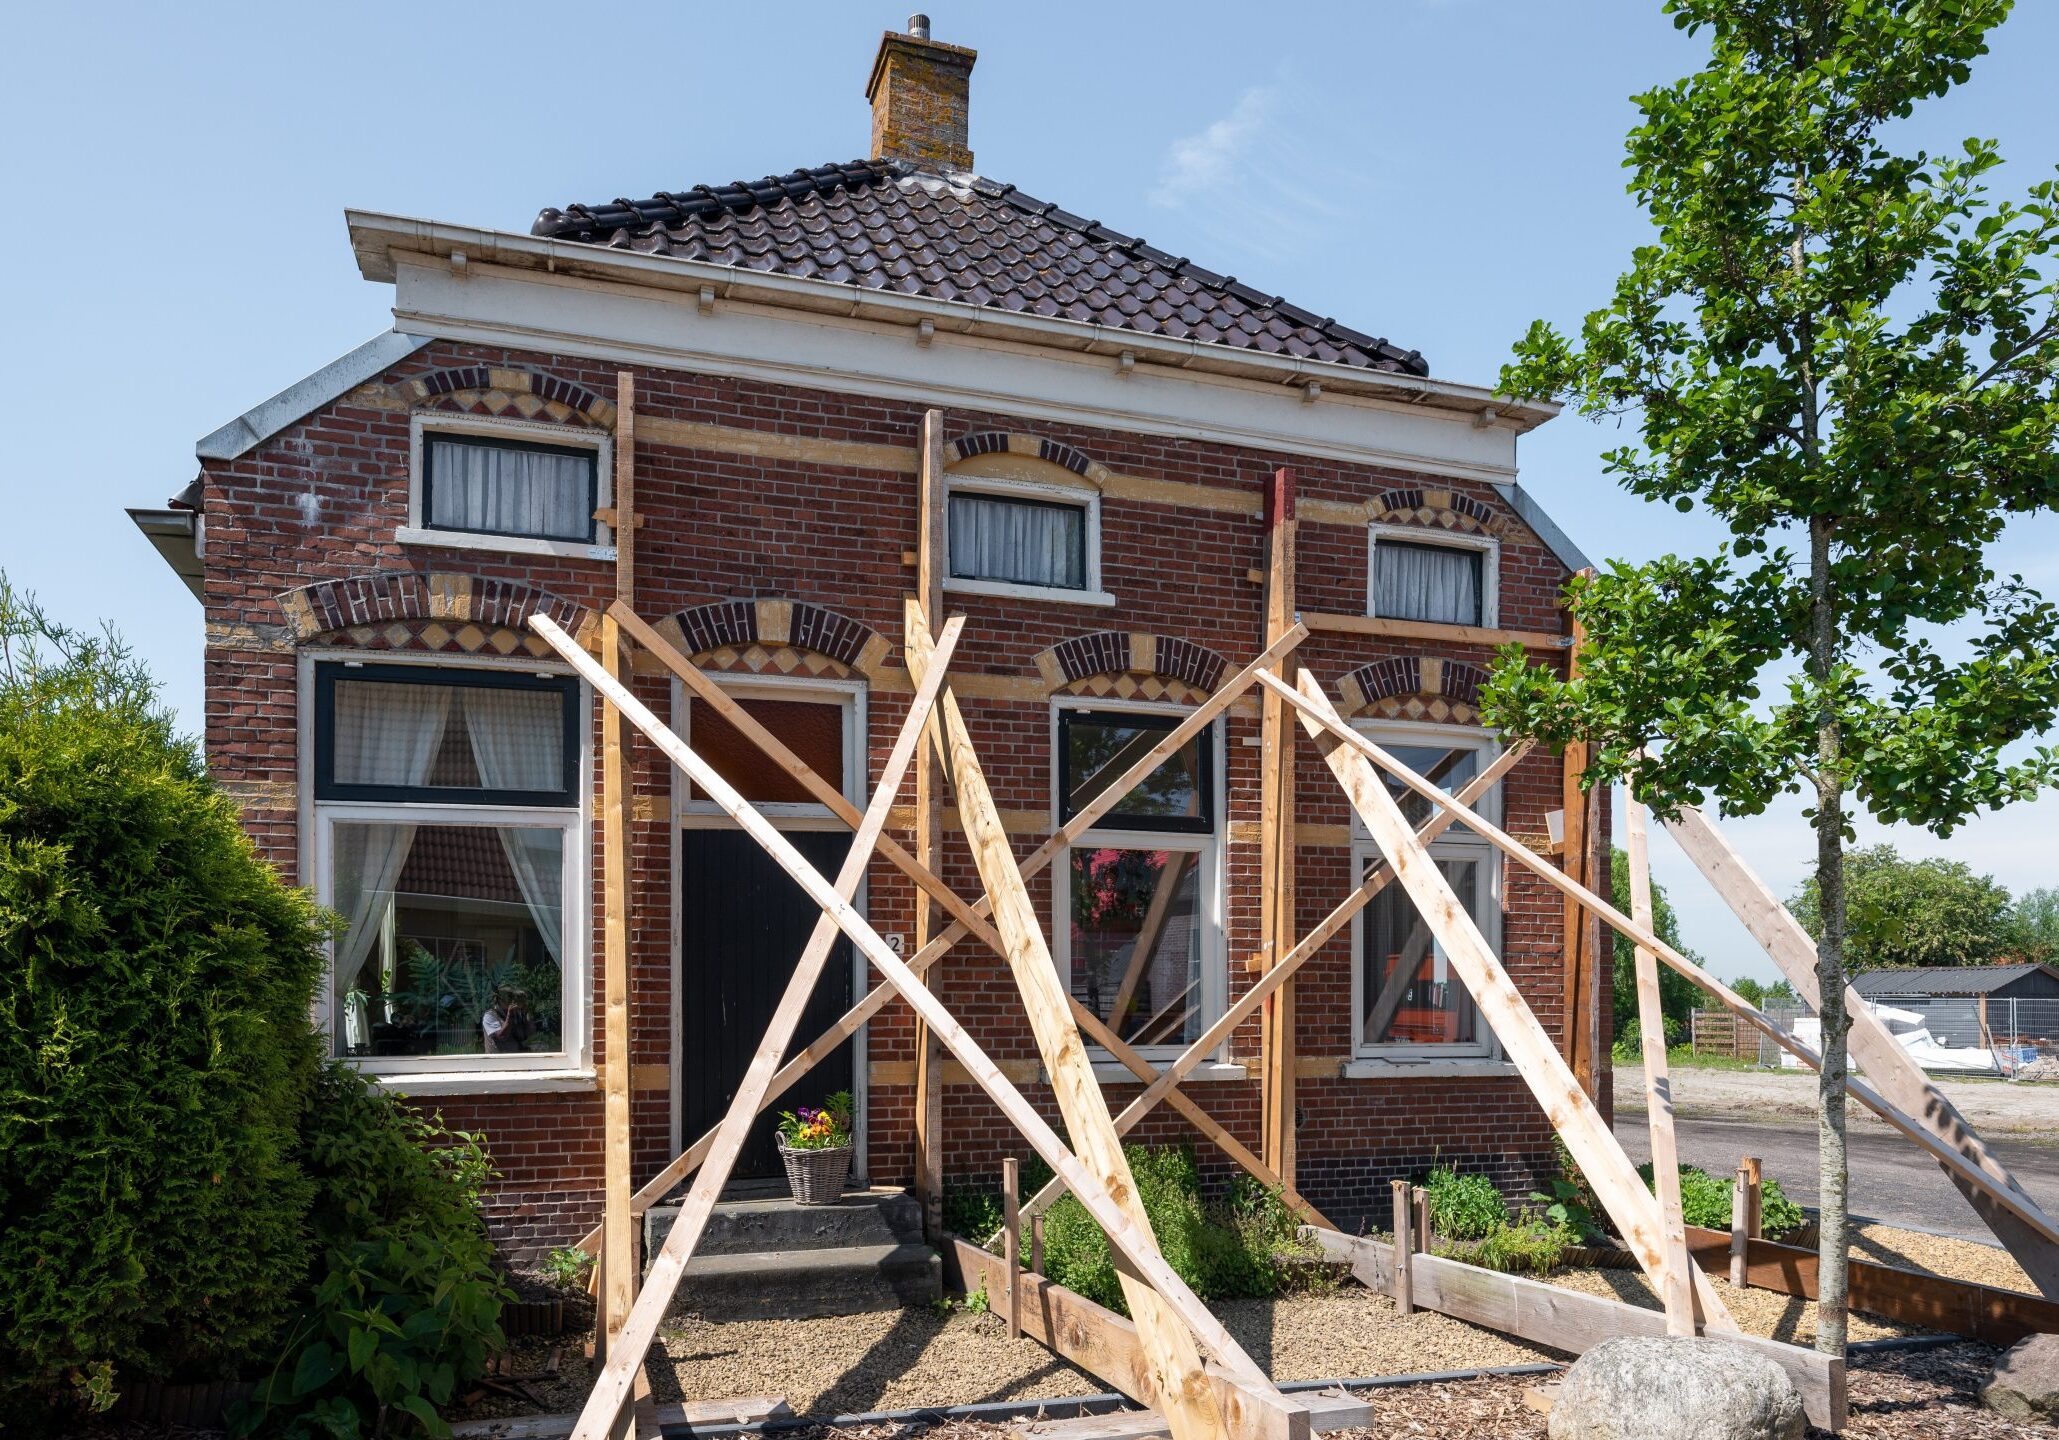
[1115,1072]
[486,1082]
[502,544]
[1044,593]
[1382,1068]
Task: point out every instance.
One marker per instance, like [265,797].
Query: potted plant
[816,1146]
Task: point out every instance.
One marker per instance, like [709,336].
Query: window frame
[571,1068]
[1487,546]
[513,434]
[1210,845]
[691,811]
[1067,715]
[1455,843]
[1085,499]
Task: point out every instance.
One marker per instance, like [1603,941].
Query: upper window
[1018,541]
[448,837]
[506,484]
[1095,747]
[1445,582]
[818,721]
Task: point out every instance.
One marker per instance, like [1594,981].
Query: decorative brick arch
[1444,509]
[1034,447]
[496,390]
[437,610]
[1413,687]
[777,636]
[1132,664]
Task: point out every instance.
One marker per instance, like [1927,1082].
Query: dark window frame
[328,672]
[1203,824]
[590,454]
[1477,554]
[1081,508]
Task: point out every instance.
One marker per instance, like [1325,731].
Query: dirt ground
[1995,1107]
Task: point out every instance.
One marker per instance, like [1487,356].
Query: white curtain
[368,860]
[545,493]
[518,744]
[1440,583]
[1020,542]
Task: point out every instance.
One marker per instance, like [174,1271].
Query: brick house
[368,544]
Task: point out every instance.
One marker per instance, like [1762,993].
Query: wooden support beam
[1164,1083]
[1581,939]
[1404,1247]
[1569,1320]
[1134,1244]
[1740,1228]
[1886,1064]
[1677,1292]
[617,1269]
[1318,712]
[1011,1241]
[1276,848]
[1174,1363]
[930,567]
[1425,630]
[601,1417]
[1501,1005]
[1106,1345]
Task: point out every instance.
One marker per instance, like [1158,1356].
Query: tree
[2034,925]
[1913,912]
[1678,995]
[1846,354]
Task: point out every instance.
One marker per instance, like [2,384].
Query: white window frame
[418,531]
[1483,1054]
[1086,499]
[571,1068]
[1210,847]
[1490,569]
[689,813]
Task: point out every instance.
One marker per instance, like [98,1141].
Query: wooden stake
[1740,1227]
[1754,1199]
[1276,842]
[1036,1243]
[1011,1243]
[931,496]
[1420,1231]
[1676,1291]
[1404,1247]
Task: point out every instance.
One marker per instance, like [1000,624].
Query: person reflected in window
[506,1023]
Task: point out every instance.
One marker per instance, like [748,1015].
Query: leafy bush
[406,1304]
[567,1267]
[1533,1245]
[155,1046]
[1705,1201]
[1569,1201]
[1464,1207]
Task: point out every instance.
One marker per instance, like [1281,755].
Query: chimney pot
[919,93]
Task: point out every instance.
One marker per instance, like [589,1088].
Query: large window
[1443,581]
[1409,1003]
[448,838]
[1140,931]
[508,484]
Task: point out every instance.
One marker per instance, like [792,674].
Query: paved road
[1891,1180]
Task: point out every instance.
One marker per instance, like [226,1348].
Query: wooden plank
[1317,711]
[931,495]
[740,1410]
[1132,1243]
[1740,1231]
[1572,1113]
[1572,1320]
[1168,1345]
[1987,1313]
[639,1326]
[1106,1345]
[1424,630]
[1900,1081]
[1011,1231]
[618,1268]
[1677,1293]
[1276,847]
[1404,1248]
[1166,1081]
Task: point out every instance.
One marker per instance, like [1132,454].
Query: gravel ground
[1995,1107]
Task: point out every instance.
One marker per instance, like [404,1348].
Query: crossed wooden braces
[1230,1396]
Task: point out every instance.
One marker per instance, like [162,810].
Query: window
[512,485]
[1446,582]
[820,721]
[1140,939]
[448,837]
[1409,1003]
[1019,526]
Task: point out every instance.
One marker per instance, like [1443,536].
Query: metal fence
[1976,1034]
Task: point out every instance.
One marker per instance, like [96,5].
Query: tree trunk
[1833,1293]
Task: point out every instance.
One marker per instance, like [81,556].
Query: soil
[1995,1107]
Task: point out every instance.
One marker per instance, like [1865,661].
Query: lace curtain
[518,744]
[542,493]
[1022,542]
[1440,583]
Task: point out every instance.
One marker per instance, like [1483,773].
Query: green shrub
[1464,1207]
[1569,1201]
[406,1303]
[1533,1245]
[1705,1201]
[155,1046]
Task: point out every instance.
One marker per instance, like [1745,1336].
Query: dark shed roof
[1958,980]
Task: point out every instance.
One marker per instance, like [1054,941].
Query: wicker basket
[816,1176]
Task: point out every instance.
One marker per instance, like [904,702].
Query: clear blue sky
[1436,171]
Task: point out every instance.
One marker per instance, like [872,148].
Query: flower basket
[816,1176]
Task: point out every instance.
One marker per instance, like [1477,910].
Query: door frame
[852,696]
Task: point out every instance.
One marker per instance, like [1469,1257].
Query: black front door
[743,925]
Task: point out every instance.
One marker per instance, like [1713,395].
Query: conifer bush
[155,1046]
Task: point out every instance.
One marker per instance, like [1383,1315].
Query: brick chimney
[918,92]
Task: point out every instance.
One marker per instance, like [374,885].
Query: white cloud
[1211,159]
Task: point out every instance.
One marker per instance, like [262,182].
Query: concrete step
[747,1227]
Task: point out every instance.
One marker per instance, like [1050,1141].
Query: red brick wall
[322,500]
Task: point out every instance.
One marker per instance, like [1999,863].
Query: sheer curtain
[546,493]
[384,735]
[518,744]
[1440,583]
[1018,541]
